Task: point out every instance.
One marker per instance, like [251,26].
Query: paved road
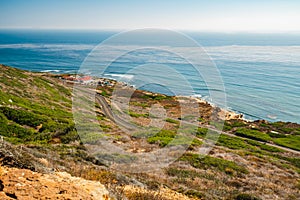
[108,112]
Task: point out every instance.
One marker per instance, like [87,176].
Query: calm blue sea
[261,72]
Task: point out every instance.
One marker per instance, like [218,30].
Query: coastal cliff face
[41,151]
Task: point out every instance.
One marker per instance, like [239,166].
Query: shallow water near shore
[261,73]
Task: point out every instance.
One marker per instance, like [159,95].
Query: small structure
[69,78]
[85,79]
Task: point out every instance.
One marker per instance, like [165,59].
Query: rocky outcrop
[26,184]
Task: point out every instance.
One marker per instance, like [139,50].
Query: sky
[198,15]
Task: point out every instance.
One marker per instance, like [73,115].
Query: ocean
[261,72]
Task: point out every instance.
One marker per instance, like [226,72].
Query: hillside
[252,160]
[34,107]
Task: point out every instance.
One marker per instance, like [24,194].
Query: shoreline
[231,111]
[250,118]
[228,113]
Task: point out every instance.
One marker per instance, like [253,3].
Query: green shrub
[238,123]
[137,115]
[278,124]
[232,142]
[3,119]
[201,132]
[172,121]
[22,117]
[166,133]
[162,141]
[151,131]
[276,135]
[165,137]
[264,146]
[253,134]
[188,174]
[156,97]
[286,129]
[140,104]
[264,125]
[200,119]
[228,125]
[246,197]
[181,173]
[293,161]
[291,141]
[104,93]
[14,130]
[217,163]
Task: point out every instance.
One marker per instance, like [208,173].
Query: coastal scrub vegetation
[35,112]
[229,167]
[290,141]
[253,134]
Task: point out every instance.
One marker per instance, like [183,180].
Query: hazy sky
[206,15]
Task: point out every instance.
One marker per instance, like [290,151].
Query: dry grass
[137,193]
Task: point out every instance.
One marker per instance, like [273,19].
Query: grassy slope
[35,108]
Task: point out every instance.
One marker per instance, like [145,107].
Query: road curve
[108,112]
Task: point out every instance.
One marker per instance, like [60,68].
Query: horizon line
[175,29]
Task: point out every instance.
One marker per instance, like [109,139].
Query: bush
[253,134]
[264,146]
[22,117]
[291,141]
[137,115]
[151,131]
[3,119]
[246,197]
[217,163]
[14,130]
[276,135]
[286,129]
[228,125]
[238,123]
[188,174]
[293,161]
[165,137]
[173,121]
[156,97]
[140,104]
[181,173]
[232,142]
[201,132]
